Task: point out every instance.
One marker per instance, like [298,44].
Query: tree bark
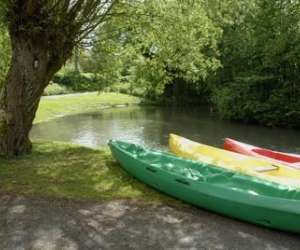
[27,77]
[76,59]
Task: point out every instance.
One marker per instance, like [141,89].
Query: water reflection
[151,126]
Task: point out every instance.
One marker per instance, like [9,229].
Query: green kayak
[230,193]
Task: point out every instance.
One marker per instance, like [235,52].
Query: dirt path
[27,223]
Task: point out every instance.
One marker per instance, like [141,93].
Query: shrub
[127,88]
[55,89]
[261,100]
[77,81]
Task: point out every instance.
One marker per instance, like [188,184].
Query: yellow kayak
[249,165]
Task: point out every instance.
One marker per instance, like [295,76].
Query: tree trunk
[43,35]
[27,77]
[76,59]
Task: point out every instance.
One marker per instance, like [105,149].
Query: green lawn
[53,107]
[70,171]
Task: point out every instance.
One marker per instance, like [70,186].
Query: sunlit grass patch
[51,108]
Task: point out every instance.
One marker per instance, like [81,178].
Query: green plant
[56,89]
[262,100]
[77,81]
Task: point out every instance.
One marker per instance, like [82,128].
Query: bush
[78,81]
[126,88]
[259,100]
[55,89]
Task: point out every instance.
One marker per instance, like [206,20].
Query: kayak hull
[218,190]
[247,149]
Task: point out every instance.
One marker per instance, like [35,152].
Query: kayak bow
[292,160]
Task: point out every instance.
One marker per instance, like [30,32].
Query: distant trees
[163,41]
[260,54]
[241,56]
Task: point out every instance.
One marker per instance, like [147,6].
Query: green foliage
[259,80]
[127,88]
[107,61]
[77,81]
[260,100]
[56,89]
[241,99]
[155,43]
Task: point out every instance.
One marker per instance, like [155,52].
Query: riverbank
[52,107]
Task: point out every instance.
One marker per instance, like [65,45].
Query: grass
[53,107]
[68,171]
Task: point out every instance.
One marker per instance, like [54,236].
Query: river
[151,126]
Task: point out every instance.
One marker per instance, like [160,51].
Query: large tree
[43,34]
[163,42]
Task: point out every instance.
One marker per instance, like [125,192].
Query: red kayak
[292,160]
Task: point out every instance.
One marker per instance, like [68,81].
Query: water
[151,126]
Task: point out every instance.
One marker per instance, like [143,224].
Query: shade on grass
[63,170]
[70,171]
